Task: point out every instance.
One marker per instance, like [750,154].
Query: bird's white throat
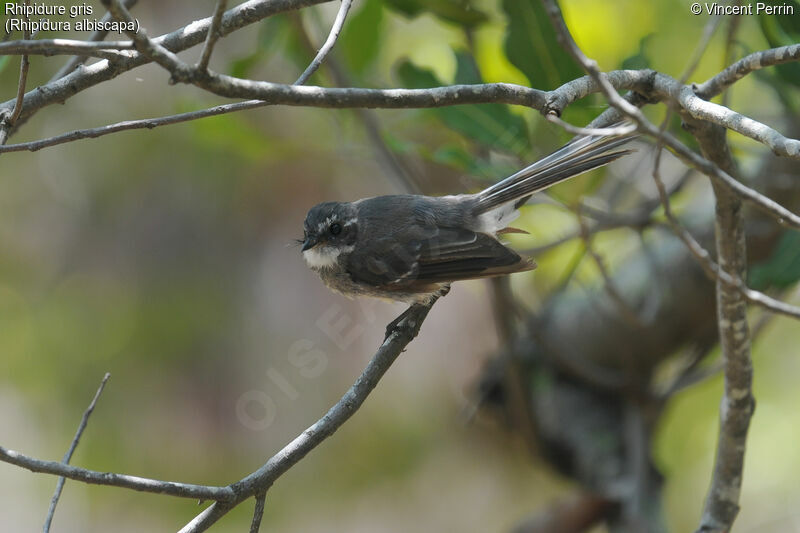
[324,256]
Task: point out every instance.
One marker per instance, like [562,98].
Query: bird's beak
[310,242]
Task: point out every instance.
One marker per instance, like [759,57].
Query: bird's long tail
[576,157]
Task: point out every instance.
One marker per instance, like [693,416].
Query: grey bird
[411,247]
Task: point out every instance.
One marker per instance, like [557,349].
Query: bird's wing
[437,255]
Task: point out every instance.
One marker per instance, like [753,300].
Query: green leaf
[491,125]
[3,62]
[460,12]
[532,47]
[782,269]
[361,37]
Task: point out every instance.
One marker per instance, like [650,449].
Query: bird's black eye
[335,228]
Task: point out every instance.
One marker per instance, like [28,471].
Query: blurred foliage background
[166,258]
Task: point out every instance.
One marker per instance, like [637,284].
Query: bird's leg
[396,322]
[443,290]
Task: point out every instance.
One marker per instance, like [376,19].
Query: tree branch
[171,488]
[338,24]
[258,512]
[67,456]
[721,115]
[7,121]
[213,34]
[736,409]
[147,123]
[746,65]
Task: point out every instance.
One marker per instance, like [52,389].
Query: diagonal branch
[718,114]
[67,456]
[746,65]
[398,337]
[213,34]
[338,23]
[7,121]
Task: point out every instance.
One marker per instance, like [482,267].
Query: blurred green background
[166,258]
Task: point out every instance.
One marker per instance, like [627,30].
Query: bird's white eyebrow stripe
[322,226]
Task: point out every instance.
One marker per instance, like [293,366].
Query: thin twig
[734,23]
[213,34]
[338,24]
[67,456]
[749,63]
[258,512]
[705,39]
[147,123]
[23,79]
[7,123]
[93,477]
